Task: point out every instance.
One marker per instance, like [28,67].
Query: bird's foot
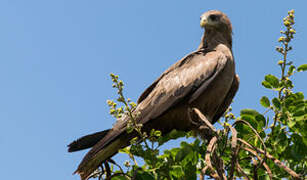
[202,125]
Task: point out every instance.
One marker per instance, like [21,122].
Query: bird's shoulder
[173,67]
[189,71]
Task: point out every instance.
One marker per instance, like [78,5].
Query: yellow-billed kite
[205,79]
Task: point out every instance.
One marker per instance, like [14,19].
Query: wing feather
[170,69]
[228,99]
[186,81]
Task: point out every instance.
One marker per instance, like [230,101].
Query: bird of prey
[204,79]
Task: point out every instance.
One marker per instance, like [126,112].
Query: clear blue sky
[56,57]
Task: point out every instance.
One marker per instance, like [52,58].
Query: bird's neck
[211,39]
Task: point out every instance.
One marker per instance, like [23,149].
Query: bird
[204,79]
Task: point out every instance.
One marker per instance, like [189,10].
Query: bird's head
[215,20]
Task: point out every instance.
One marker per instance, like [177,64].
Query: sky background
[56,57]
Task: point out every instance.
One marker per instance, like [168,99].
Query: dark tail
[86,141]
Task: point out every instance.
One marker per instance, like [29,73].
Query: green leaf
[261,121]
[256,119]
[125,150]
[302,67]
[249,111]
[177,172]
[289,101]
[274,81]
[291,123]
[301,118]
[291,70]
[266,84]
[276,103]
[141,175]
[119,178]
[282,142]
[244,131]
[299,95]
[300,113]
[251,119]
[289,84]
[298,148]
[174,134]
[265,102]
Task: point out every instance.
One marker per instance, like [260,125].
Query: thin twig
[202,175]
[255,177]
[212,174]
[241,170]
[268,170]
[276,161]
[235,151]
[261,140]
[210,149]
[113,162]
[219,166]
[226,143]
[108,169]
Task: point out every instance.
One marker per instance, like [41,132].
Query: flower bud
[281,39]
[292,31]
[287,23]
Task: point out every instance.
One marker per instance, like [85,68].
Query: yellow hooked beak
[203,22]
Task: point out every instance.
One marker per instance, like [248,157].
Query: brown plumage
[204,79]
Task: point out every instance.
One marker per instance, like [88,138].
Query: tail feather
[87,141]
[88,166]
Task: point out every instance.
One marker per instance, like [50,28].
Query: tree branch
[276,161]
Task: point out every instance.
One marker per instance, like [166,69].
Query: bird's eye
[213,17]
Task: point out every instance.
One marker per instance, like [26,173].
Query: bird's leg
[203,126]
[204,119]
